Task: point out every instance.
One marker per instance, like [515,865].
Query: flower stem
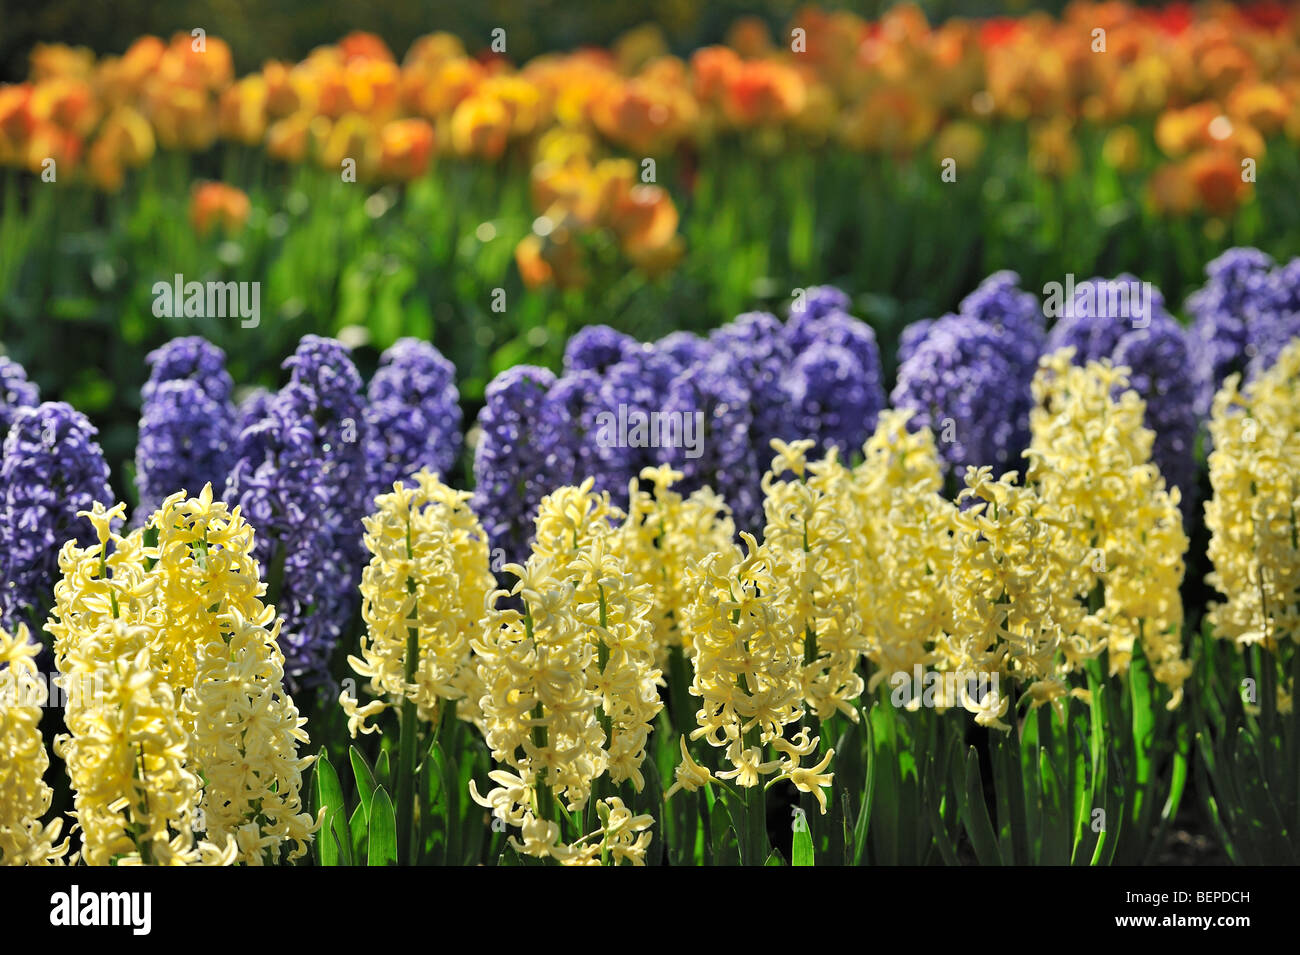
[406,747]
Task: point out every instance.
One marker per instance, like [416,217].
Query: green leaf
[975,813]
[735,804]
[357,829]
[864,812]
[365,778]
[775,859]
[383,830]
[327,793]
[802,851]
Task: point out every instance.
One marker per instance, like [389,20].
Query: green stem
[756,810]
[406,758]
[544,799]
[406,745]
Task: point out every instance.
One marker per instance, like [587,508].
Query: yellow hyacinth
[1004,598]
[807,536]
[169,622]
[570,683]
[1255,474]
[24,839]
[424,590]
[578,530]
[664,532]
[135,800]
[1118,528]
[902,540]
[748,657]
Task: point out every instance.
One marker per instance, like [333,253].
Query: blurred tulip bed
[771,169]
[562,505]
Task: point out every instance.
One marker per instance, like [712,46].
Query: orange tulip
[1261,106]
[640,116]
[433,49]
[645,219]
[288,139]
[1179,131]
[764,91]
[58,61]
[183,116]
[50,141]
[554,259]
[405,148]
[1216,177]
[359,45]
[750,37]
[351,136]
[69,103]
[281,96]
[125,140]
[713,69]
[891,119]
[214,204]
[16,120]
[139,61]
[370,87]
[242,110]
[480,126]
[210,67]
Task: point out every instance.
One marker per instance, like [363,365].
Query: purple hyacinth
[566,428]
[280,483]
[185,442]
[187,422]
[685,348]
[1160,370]
[252,409]
[721,453]
[838,328]
[832,401]
[965,385]
[630,391]
[1158,356]
[841,408]
[413,415]
[1278,320]
[1237,290]
[15,392]
[300,479]
[1094,321]
[911,337]
[53,468]
[999,301]
[820,301]
[513,467]
[190,358]
[324,367]
[754,348]
[597,347]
